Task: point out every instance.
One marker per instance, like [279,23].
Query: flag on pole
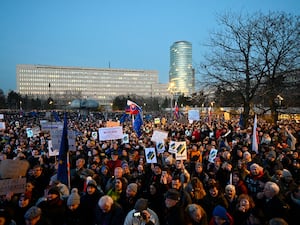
[209,115]
[241,121]
[63,173]
[254,136]
[137,124]
[176,110]
[133,107]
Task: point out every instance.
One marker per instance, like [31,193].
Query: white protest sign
[29,132]
[125,139]
[150,155]
[52,125]
[172,147]
[193,115]
[181,151]
[159,136]
[110,133]
[14,185]
[56,135]
[36,131]
[160,147]
[51,151]
[1,116]
[212,155]
[2,125]
[95,135]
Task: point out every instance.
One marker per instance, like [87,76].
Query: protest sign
[150,155]
[16,185]
[159,136]
[110,133]
[13,168]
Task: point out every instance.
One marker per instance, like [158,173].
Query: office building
[181,74]
[101,84]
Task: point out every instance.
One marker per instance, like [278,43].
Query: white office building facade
[100,84]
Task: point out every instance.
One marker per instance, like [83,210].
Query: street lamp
[171,89]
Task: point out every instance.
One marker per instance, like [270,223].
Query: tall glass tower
[181,74]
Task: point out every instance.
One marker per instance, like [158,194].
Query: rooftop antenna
[109,64]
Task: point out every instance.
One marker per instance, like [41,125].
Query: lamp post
[171,89]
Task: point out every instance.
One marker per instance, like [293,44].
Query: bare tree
[250,52]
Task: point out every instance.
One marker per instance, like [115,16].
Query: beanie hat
[272,154]
[54,190]
[92,183]
[141,204]
[32,213]
[220,211]
[74,197]
[133,187]
[286,173]
[172,194]
[124,163]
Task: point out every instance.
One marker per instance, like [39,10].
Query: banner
[110,133]
[112,123]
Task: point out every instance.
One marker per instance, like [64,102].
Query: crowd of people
[111,182]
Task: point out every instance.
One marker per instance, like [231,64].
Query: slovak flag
[133,107]
[176,111]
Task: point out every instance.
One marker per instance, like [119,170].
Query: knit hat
[133,187]
[54,190]
[124,163]
[74,197]
[220,211]
[286,173]
[92,183]
[172,194]
[32,213]
[272,154]
[141,204]
[115,152]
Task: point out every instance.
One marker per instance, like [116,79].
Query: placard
[159,136]
[13,168]
[150,155]
[160,147]
[110,133]
[194,115]
[212,155]
[14,185]
[181,151]
[2,125]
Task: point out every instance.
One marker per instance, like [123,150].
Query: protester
[141,214]
[108,212]
[54,208]
[174,212]
[196,215]
[74,213]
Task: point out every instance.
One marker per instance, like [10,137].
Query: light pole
[171,89]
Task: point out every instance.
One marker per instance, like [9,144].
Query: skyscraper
[181,74]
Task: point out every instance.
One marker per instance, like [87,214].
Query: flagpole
[68,170]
